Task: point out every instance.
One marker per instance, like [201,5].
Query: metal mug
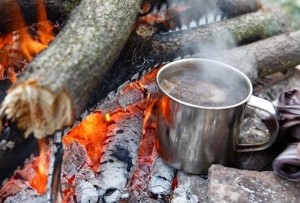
[191,137]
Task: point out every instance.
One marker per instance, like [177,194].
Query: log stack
[85,55]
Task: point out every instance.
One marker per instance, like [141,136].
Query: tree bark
[267,56]
[222,35]
[57,10]
[60,80]
[200,11]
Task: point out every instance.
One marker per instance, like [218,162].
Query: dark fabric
[287,164]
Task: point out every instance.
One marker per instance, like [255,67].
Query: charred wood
[119,157]
[57,10]
[130,92]
[14,150]
[54,193]
[77,176]
[225,34]
[180,14]
[18,190]
[137,185]
[58,82]
[161,177]
[86,192]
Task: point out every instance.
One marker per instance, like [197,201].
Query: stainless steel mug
[192,137]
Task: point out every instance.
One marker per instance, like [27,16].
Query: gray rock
[234,185]
[190,189]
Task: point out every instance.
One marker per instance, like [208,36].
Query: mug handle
[268,107]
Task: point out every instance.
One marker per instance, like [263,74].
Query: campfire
[20,46]
[87,126]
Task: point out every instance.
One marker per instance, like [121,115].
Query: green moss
[292,7]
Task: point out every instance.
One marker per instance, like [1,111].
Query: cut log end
[37,109]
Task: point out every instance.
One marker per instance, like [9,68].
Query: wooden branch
[60,80]
[11,18]
[264,57]
[139,181]
[222,35]
[119,157]
[199,12]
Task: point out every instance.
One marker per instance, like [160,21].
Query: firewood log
[119,157]
[264,57]
[60,80]
[272,55]
[221,35]
[182,13]
[161,177]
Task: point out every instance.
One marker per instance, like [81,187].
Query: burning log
[20,191]
[120,154]
[137,185]
[60,80]
[161,177]
[58,11]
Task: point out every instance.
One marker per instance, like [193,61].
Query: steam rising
[204,84]
[220,40]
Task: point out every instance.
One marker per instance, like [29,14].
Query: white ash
[86,193]
[120,154]
[161,176]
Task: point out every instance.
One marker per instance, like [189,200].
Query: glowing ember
[41,164]
[90,133]
[163,15]
[19,47]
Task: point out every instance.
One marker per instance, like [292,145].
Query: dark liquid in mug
[208,90]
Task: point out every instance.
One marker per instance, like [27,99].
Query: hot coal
[194,87]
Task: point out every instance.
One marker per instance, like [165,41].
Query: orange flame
[163,15]
[90,133]
[21,45]
[41,165]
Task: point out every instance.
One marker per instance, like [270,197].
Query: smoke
[217,40]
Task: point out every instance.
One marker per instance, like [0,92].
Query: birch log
[58,82]
[119,157]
